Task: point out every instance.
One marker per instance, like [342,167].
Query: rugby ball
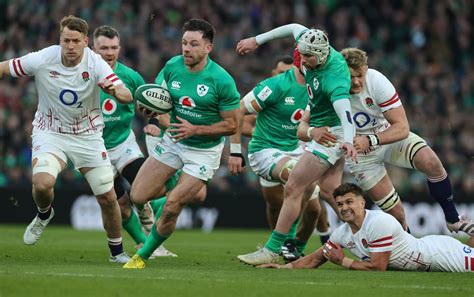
[154,98]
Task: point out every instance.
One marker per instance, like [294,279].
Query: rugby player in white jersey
[383,136]
[68,125]
[380,243]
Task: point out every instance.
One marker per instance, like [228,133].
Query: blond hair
[355,57]
[75,24]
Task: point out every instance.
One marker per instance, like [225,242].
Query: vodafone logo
[187,102]
[109,106]
[297,116]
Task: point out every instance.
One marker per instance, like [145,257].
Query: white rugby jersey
[377,96]
[68,97]
[380,232]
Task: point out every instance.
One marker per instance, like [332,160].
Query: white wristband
[308,133]
[235,148]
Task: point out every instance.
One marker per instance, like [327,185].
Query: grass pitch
[66,262]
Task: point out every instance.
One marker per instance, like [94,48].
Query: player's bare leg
[43,195]
[150,180]
[273,197]
[308,169]
[440,188]
[385,196]
[109,207]
[184,192]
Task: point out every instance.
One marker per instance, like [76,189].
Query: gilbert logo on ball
[154,98]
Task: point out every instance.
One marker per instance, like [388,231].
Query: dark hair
[285,59]
[106,31]
[348,188]
[202,26]
[75,24]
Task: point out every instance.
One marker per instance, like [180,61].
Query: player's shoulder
[127,70]
[341,231]
[93,56]
[375,218]
[218,73]
[50,53]
[175,61]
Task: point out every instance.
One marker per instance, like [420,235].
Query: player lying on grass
[380,243]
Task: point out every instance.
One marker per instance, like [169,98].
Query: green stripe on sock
[158,205]
[293,229]
[300,246]
[133,227]
[275,242]
[153,241]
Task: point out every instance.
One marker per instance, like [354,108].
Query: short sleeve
[103,71]
[266,93]
[385,94]
[380,235]
[337,88]
[26,65]
[229,97]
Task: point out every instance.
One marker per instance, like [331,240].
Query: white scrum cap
[314,42]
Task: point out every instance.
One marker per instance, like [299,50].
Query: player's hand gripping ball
[154,98]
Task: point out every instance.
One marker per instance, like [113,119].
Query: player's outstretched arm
[120,91]
[250,44]
[4,69]
[334,253]
[313,260]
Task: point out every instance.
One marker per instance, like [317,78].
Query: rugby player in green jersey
[279,103]
[205,108]
[124,152]
[328,83]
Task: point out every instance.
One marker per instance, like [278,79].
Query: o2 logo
[69,97]
[362,119]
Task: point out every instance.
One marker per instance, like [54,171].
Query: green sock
[153,241]
[158,205]
[293,229]
[133,227]
[300,246]
[275,242]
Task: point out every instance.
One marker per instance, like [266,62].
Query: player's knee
[200,197]
[286,169]
[388,202]
[101,181]
[43,185]
[430,164]
[46,163]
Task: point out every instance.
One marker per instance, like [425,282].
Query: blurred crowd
[424,47]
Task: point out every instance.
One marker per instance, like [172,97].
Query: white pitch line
[312,283]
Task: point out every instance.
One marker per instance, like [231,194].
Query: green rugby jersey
[198,97]
[325,85]
[283,101]
[117,116]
